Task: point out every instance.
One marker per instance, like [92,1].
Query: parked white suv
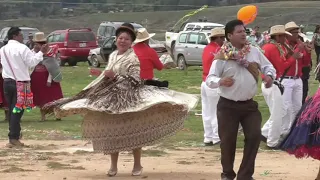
[189,47]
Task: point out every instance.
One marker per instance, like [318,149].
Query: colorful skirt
[42,93]
[303,140]
[124,116]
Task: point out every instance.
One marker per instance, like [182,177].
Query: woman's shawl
[111,95]
[53,68]
[128,64]
[51,64]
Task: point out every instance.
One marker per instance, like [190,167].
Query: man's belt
[291,77]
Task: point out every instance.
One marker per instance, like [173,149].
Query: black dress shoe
[208,143]
[272,148]
[263,139]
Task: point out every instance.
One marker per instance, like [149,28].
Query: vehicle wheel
[95,61]
[72,62]
[89,63]
[61,63]
[182,65]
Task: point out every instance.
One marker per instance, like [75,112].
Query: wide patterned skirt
[124,117]
[304,140]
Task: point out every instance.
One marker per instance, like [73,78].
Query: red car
[74,44]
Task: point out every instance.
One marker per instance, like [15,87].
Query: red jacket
[280,63]
[207,58]
[296,67]
[149,60]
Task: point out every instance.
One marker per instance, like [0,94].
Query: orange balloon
[247,14]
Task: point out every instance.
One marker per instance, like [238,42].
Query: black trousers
[10,94]
[230,114]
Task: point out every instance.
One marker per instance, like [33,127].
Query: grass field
[76,78]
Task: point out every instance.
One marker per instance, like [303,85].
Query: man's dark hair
[13,31]
[230,27]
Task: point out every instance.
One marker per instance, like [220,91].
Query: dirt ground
[74,160]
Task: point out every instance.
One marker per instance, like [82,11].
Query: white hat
[142,35]
[39,37]
[218,31]
[278,30]
[291,25]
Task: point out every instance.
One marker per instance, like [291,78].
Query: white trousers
[292,98]
[209,99]
[273,128]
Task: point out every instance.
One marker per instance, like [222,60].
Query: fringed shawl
[110,95]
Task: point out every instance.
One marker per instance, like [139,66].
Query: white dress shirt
[245,86]
[21,59]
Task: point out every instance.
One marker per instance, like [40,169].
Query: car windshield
[81,36]
[26,32]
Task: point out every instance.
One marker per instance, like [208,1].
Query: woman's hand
[110,74]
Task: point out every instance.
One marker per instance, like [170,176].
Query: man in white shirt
[16,60]
[235,72]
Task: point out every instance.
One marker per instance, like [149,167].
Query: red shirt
[149,60]
[207,58]
[280,63]
[296,67]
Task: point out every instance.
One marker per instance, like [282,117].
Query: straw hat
[39,37]
[291,25]
[278,30]
[142,35]
[216,32]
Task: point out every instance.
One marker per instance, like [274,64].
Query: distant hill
[13,9]
[302,12]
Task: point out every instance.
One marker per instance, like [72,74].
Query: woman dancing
[120,112]
[46,76]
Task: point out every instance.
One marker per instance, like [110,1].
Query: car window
[26,32]
[62,37]
[108,43]
[3,34]
[101,30]
[109,31]
[56,38]
[202,39]
[183,38]
[50,38]
[81,36]
[192,39]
